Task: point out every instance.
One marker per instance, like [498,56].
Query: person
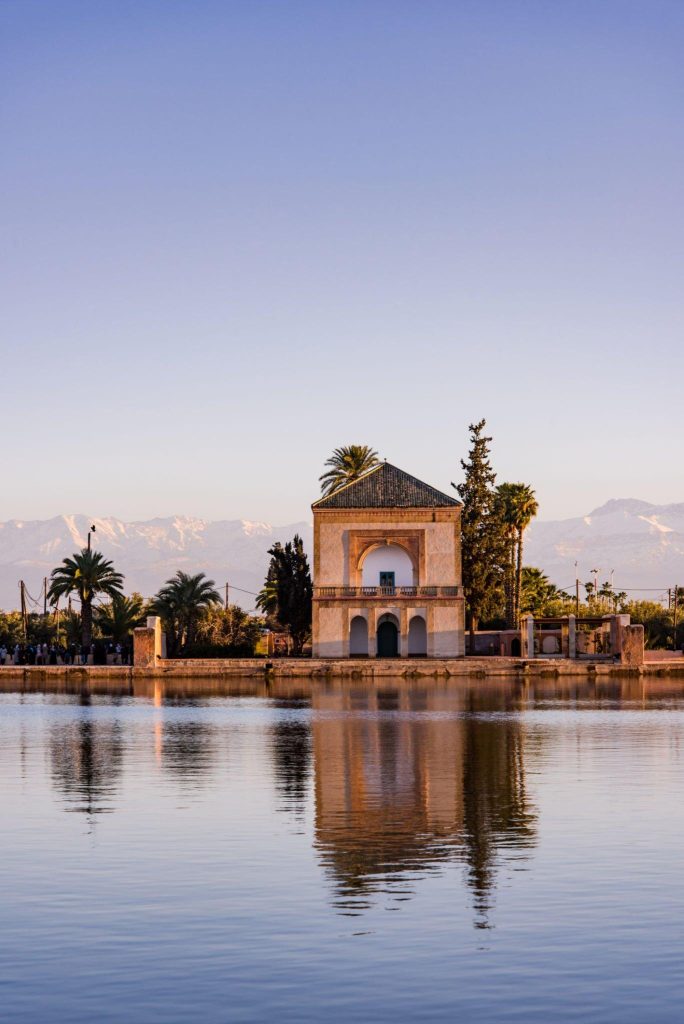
[3,654]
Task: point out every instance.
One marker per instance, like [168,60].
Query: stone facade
[387,573]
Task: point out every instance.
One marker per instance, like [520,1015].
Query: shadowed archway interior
[388,637]
[417,637]
[358,637]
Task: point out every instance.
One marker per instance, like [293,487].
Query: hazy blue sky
[236,235]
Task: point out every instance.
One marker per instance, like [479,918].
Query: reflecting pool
[342,851]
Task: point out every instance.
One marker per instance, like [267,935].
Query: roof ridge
[350,483]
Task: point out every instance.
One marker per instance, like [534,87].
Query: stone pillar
[147,643]
[632,653]
[372,632]
[403,632]
[617,625]
[572,636]
[527,636]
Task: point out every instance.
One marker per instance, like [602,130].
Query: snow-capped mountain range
[147,553]
[642,543]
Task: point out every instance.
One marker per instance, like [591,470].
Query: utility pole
[22,590]
[576,589]
[674,634]
[45,596]
[227,593]
[669,599]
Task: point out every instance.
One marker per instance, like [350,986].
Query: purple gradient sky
[235,235]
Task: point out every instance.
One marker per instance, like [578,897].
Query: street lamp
[91,530]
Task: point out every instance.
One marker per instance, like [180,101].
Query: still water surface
[420,851]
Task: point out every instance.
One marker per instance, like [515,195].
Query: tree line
[498,586]
[193,617]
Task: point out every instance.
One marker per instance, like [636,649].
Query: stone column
[527,636]
[617,625]
[372,632]
[403,632]
[147,643]
[572,636]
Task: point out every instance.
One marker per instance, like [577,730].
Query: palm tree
[69,628]
[504,504]
[518,507]
[120,617]
[181,603]
[86,574]
[346,464]
[539,595]
[267,598]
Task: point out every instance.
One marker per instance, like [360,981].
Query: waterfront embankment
[322,668]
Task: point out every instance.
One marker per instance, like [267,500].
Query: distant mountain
[643,543]
[233,551]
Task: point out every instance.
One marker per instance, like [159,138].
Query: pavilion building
[387,570]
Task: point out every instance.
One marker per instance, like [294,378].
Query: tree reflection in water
[497,814]
[291,746]
[187,750]
[86,760]
[413,777]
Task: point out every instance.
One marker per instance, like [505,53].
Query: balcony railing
[390,592]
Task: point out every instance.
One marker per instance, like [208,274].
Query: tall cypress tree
[288,591]
[484,549]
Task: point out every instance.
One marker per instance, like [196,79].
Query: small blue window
[387,579]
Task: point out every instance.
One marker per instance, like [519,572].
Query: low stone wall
[319,668]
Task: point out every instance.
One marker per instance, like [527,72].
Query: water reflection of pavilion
[401,794]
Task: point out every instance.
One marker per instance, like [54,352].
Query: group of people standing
[97,653]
